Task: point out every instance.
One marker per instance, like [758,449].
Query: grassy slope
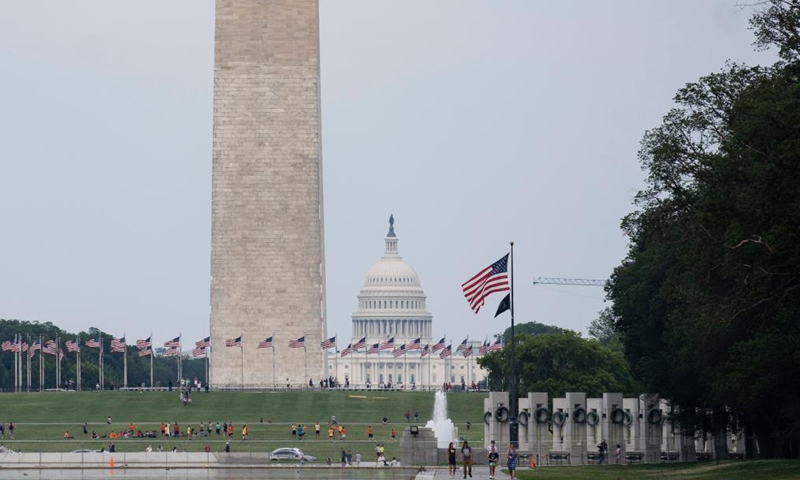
[41,419]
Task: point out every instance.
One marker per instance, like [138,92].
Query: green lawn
[42,418]
[727,470]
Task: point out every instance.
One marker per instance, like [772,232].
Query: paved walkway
[478,473]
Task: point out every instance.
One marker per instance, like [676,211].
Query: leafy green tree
[602,329]
[531,328]
[560,362]
[706,302]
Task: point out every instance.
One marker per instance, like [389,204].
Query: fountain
[441,425]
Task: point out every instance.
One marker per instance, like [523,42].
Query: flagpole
[78,355]
[125,362]
[241,349]
[151,360]
[16,362]
[100,361]
[305,357]
[513,427]
[274,380]
[29,363]
[180,358]
[58,363]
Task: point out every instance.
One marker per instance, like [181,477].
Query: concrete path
[478,473]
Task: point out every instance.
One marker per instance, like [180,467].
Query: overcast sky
[474,122]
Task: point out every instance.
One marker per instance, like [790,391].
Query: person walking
[513,458]
[451,459]
[493,457]
[466,458]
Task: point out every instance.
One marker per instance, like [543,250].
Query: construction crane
[578,282]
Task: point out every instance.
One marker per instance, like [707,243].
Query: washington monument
[267,257]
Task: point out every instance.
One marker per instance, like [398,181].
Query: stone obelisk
[267,256]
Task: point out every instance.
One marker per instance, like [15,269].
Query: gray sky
[474,122]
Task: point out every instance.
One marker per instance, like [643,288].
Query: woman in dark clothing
[451,459]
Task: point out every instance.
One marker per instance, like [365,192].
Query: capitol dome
[392,302]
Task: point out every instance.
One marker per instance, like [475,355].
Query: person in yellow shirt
[330,433]
[245,431]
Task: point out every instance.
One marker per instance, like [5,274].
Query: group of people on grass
[493,456]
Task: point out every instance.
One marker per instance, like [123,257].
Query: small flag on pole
[462,345]
[387,344]
[143,343]
[375,348]
[401,350]
[415,344]
[203,343]
[174,343]
[145,352]
[266,343]
[439,345]
[72,346]
[329,343]
[425,351]
[91,343]
[360,344]
[491,279]
[347,351]
[234,342]
[298,343]
[505,304]
[446,352]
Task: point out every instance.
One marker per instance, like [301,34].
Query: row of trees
[164,369]
[707,301]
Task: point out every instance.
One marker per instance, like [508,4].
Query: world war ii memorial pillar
[267,257]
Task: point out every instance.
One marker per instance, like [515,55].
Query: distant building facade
[392,305]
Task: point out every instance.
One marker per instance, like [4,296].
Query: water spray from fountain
[442,426]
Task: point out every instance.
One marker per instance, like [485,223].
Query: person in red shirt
[230,430]
[393,434]
[369,432]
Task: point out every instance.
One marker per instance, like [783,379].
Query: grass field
[42,418]
[727,470]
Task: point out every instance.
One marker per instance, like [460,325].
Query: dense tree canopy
[558,363]
[707,301]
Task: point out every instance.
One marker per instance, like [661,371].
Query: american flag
[425,350]
[234,342]
[34,346]
[199,352]
[92,343]
[17,345]
[484,347]
[266,343]
[446,352]
[497,345]
[467,351]
[140,344]
[387,344]
[462,345]
[6,345]
[329,343]
[73,346]
[401,350]
[50,348]
[347,351]
[171,352]
[375,348]
[23,347]
[118,345]
[360,344]
[439,345]
[298,343]
[145,352]
[174,343]
[414,344]
[203,343]
[60,354]
[491,279]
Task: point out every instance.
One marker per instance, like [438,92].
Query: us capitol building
[392,305]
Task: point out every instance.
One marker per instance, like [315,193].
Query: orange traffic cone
[111,463]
